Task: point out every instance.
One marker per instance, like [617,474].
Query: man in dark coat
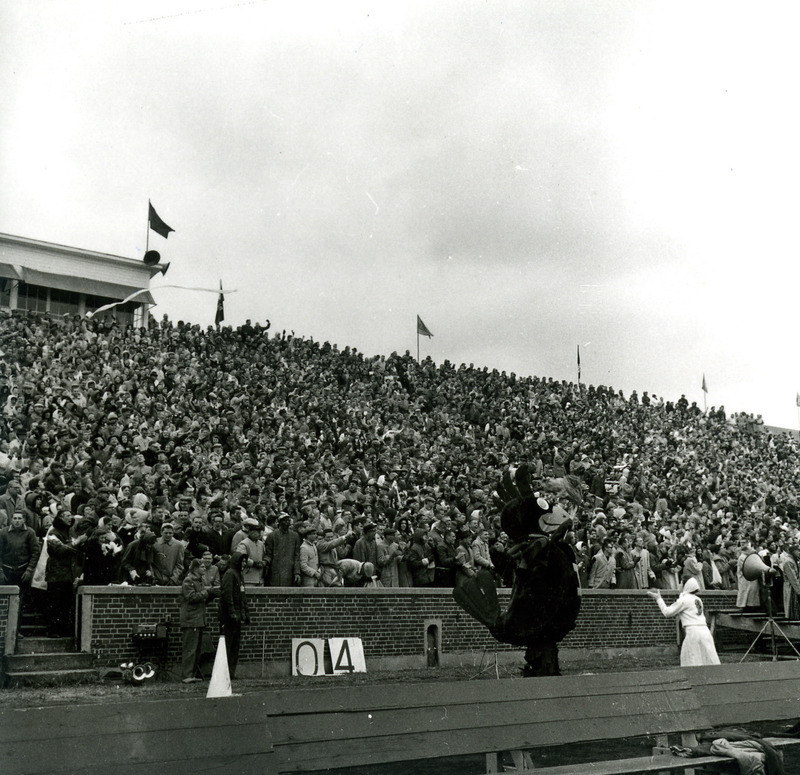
[233,612]
[194,597]
[19,552]
[282,555]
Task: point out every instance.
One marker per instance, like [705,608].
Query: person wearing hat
[194,597]
[282,554]
[310,571]
[365,548]
[19,552]
[698,644]
[354,573]
[253,547]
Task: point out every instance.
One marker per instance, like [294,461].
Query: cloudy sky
[526,176]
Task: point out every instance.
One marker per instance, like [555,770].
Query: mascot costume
[545,597]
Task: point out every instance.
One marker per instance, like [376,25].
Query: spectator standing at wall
[626,563]
[310,572]
[693,568]
[791,581]
[138,558]
[645,577]
[480,551]
[102,558]
[603,573]
[63,553]
[445,554]
[465,561]
[365,548]
[11,502]
[748,594]
[282,555]
[420,559]
[253,547]
[194,597]
[233,612]
[19,551]
[327,555]
[211,572]
[167,557]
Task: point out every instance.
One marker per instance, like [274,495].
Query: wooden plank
[742,672]
[241,764]
[294,701]
[492,735]
[139,717]
[106,749]
[191,734]
[648,712]
[744,693]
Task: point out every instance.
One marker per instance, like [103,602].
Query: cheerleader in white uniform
[698,645]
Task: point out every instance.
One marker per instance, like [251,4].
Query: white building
[44,277]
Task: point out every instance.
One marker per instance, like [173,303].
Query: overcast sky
[526,176]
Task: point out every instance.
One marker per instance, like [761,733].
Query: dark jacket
[19,552]
[233,600]
[62,556]
[194,596]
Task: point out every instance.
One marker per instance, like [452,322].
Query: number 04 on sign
[346,656]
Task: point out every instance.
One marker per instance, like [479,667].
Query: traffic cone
[220,684]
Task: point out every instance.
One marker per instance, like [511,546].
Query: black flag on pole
[157,225]
[422,329]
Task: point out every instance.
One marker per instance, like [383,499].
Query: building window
[122,313]
[32,297]
[5,291]
[63,302]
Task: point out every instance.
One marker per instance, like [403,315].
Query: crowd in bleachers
[129,451]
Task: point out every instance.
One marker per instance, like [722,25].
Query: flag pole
[417,342]
[147,230]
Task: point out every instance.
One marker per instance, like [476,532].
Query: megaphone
[163,268]
[753,567]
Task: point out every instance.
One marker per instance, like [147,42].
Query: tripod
[765,584]
[492,663]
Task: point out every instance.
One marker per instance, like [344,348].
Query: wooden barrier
[303,730]
[184,737]
[336,728]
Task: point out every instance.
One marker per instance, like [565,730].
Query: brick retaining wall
[392,624]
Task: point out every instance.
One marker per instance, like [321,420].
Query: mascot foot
[541,660]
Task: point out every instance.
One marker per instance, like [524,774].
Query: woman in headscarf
[698,644]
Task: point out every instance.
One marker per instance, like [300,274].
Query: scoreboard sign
[345,655]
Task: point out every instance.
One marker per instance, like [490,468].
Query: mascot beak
[557,519]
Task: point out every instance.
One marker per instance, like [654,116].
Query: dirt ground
[113,688]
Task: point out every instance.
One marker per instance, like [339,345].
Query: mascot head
[523,508]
